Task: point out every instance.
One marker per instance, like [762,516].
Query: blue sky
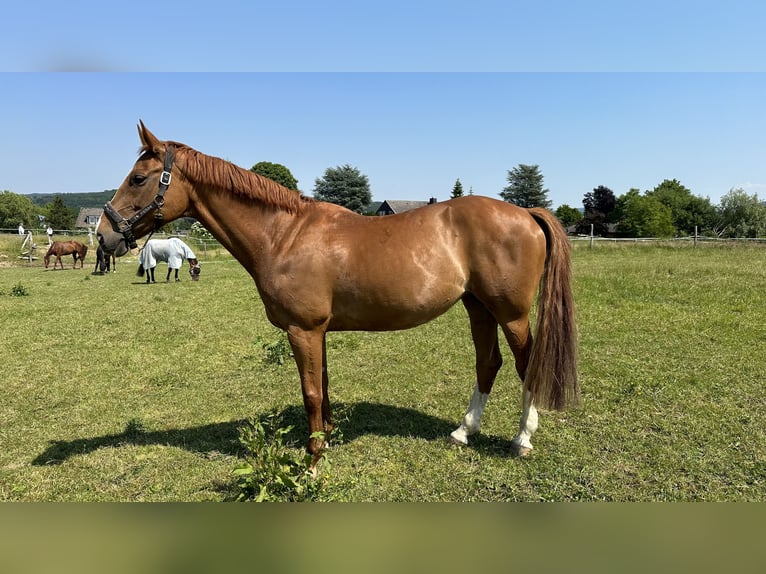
[593,92]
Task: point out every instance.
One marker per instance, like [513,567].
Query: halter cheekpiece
[125,226]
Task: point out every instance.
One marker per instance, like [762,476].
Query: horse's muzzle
[113,244]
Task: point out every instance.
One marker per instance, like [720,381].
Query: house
[88,217]
[392,206]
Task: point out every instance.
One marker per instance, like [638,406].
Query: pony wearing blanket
[58,248]
[173,251]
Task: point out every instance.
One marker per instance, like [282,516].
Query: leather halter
[125,226]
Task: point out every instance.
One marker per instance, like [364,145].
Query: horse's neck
[246,228]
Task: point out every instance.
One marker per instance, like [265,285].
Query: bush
[19,290]
[271,471]
[198,231]
[277,352]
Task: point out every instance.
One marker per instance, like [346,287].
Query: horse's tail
[140,272]
[551,376]
[84,252]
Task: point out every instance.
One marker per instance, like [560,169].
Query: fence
[35,241]
[692,239]
[205,248]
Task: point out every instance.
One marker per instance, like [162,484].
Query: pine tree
[344,185]
[525,187]
[457,191]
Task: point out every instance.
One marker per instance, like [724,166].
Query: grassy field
[115,390]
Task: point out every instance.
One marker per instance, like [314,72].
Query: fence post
[591,236]
[695,236]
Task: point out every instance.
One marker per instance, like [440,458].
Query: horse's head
[194,269]
[149,197]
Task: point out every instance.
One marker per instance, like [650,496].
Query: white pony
[173,251]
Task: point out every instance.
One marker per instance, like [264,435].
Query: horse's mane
[229,178]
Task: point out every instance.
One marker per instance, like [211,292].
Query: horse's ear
[148,139]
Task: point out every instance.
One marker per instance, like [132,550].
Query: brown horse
[58,248]
[319,267]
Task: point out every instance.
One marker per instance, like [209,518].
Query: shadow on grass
[353,421]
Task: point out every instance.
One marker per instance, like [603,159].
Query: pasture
[113,390]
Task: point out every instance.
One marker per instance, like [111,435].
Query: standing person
[21,229]
[49,233]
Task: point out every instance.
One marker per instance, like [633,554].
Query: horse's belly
[389,310]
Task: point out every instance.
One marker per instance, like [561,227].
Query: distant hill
[75,200]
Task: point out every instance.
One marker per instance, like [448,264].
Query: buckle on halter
[165,178]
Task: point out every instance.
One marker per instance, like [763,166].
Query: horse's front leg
[308,348]
[326,409]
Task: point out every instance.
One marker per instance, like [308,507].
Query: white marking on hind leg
[522,442]
[472,419]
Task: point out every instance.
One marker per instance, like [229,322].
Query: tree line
[668,210]
[18,209]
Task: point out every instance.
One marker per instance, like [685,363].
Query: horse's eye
[138,179]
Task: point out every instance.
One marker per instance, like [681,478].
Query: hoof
[521,451]
[458,438]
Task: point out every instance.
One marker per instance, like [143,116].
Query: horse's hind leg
[488,363]
[520,340]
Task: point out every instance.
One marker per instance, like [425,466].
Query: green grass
[115,390]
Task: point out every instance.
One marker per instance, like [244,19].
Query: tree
[457,191]
[525,187]
[741,215]
[344,185]
[15,209]
[568,215]
[599,206]
[600,201]
[276,172]
[59,216]
[689,211]
[643,216]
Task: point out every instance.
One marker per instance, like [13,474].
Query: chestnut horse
[319,267]
[59,248]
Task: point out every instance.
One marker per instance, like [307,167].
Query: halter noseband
[125,226]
